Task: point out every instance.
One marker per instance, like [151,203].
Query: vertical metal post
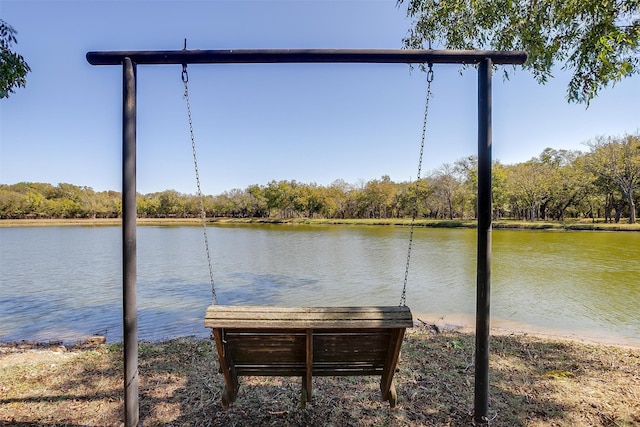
[481,398]
[129,264]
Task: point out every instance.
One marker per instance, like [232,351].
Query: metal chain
[403,297]
[203,212]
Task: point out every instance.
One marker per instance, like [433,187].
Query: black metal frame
[128,59]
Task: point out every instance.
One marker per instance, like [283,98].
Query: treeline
[557,184]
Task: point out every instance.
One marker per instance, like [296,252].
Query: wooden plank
[307,324]
[301,332]
[368,346]
[272,370]
[299,371]
[347,372]
[304,313]
[307,317]
[306,309]
[247,349]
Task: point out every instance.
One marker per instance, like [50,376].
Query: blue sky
[257,123]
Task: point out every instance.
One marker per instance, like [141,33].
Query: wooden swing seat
[307,342]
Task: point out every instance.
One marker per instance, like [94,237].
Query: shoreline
[573,225]
[439,323]
[465,324]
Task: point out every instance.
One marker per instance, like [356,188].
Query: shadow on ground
[532,381]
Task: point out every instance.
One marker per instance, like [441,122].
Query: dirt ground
[534,381]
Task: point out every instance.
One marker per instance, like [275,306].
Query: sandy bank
[466,324]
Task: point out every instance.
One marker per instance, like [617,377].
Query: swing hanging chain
[203,212]
[403,297]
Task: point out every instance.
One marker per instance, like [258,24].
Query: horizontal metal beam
[271,56]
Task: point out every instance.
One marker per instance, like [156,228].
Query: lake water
[65,283]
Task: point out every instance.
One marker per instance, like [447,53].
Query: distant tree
[571,183]
[273,196]
[447,184]
[222,205]
[310,200]
[170,204]
[13,67]
[377,198]
[280,196]
[147,205]
[528,185]
[599,41]
[617,161]
[466,169]
[10,203]
[240,203]
[499,190]
[258,200]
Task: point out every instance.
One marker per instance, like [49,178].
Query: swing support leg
[387,387]
[230,392]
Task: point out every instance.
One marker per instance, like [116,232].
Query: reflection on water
[65,282]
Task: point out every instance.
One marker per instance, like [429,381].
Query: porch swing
[129,60]
[307,341]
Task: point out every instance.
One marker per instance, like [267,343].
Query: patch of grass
[533,382]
